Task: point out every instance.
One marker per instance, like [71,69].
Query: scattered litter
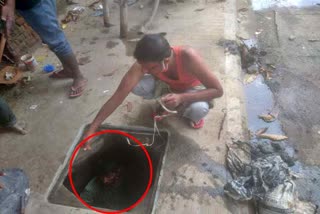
[273,137]
[261,131]
[84,60]
[48,68]
[26,80]
[252,69]
[8,75]
[106,91]
[33,107]
[64,26]
[267,117]
[258,31]
[249,78]
[73,15]
[281,199]
[230,46]
[199,9]
[292,37]
[266,73]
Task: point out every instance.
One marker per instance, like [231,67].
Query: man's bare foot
[20,128]
[63,74]
[78,87]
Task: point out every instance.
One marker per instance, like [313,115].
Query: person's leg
[43,19]
[196,112]
[8,119]
[146,87]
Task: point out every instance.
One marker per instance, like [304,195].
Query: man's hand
[7,15]
[172,100]
[87,145]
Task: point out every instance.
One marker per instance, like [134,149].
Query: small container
[30,62]
[48,68]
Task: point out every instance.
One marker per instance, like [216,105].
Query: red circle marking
[81,144]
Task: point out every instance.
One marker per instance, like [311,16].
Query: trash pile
[251,61]
[261,173]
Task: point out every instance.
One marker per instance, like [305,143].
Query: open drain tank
[114,174]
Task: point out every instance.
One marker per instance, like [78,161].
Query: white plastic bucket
[29,61]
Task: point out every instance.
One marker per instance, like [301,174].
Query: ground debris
[249,78]
[230,46]
[273,137]
[268,117]
[73,15]
[266,178]
[261,131]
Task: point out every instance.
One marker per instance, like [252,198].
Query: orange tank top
[185,80]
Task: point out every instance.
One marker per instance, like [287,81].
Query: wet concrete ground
[293,48]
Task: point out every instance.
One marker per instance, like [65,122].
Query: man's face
[155,68]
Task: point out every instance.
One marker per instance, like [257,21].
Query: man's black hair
[152,48]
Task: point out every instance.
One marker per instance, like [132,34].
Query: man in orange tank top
[191,84]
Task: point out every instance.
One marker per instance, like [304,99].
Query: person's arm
[128,82]
[193,61]
[7,15]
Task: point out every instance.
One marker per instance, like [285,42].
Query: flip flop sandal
[59,75]
[76,92]
[197,125]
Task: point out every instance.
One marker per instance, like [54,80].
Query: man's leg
[8,119]
[146,87]
[196,112]
[43,19]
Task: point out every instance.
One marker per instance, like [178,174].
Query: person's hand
[172,100]
[7,15]
[87,145]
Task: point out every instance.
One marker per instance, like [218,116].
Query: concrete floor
[194,172]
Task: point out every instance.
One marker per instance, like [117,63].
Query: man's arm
[195,65]
[7,15]
[128,82]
